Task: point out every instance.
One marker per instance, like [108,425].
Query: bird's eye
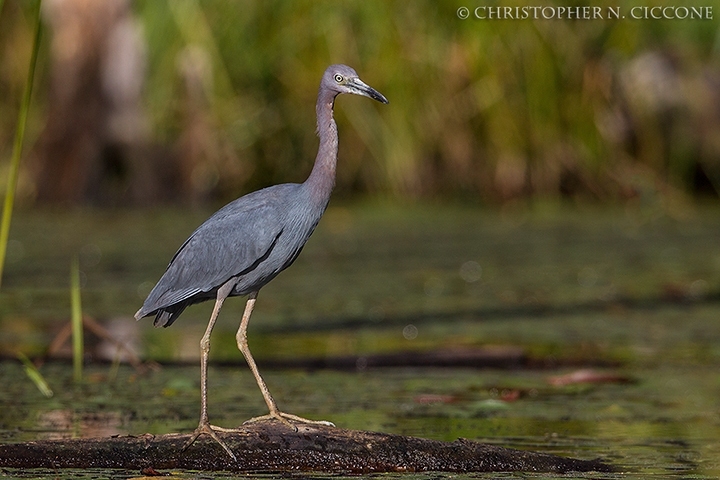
[338,78]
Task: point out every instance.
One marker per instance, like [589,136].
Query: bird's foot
[288,420]
[207,429]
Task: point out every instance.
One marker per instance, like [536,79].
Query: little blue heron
[245,244]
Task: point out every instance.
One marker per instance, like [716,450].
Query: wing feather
[232,242]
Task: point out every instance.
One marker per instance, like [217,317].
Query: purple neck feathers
[322,178]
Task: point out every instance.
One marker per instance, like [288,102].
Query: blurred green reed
[76,320]
[479,110]
[14,166]
[35,376]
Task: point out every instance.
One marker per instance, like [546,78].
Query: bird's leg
[242,344]
[204,426]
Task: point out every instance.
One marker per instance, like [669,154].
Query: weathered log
[270,446]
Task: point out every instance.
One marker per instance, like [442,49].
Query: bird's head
[343,79]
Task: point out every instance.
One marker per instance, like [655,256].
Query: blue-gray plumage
[245,244]
[251,239]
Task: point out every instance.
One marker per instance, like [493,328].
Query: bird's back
[251,239]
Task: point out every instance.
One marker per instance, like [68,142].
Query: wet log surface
[271,447]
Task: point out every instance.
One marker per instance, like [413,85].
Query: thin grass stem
[17,145]
[76,320]
[34,374]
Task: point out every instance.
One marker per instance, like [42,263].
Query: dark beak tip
[380,97]
[362,88]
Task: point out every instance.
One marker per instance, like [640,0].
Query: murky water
[633,295]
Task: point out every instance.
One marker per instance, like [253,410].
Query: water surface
[631,294]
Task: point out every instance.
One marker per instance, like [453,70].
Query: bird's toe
[288,419]
[207,429]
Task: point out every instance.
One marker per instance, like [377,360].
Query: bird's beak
[361,88]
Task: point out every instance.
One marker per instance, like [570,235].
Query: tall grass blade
[17,145]
[34,374]
[76,320]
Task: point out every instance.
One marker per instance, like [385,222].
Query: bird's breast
[298,225]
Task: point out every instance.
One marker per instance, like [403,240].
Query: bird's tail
[164,317]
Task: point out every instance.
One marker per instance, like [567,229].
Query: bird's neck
[322,178]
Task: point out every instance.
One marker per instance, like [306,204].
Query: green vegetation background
[489,111]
